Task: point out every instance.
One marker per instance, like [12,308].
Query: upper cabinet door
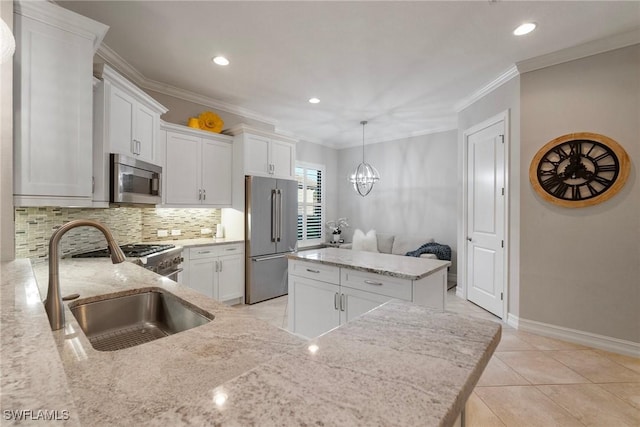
[216,172]
[145,135]
[53,114]
[257,156]
[182,172]
[283,159]
[121,130]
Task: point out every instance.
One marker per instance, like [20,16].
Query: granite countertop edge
[357,260]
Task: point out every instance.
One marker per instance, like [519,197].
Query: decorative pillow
[365,242]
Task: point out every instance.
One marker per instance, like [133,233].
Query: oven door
[174,275]
[134,181]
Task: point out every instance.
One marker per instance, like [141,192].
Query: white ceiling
[404,66]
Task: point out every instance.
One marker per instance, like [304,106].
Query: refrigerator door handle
[274,210]
[279,214]
[267,258]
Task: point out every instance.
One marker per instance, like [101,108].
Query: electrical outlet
[163,233]
[176,232]
[206,231]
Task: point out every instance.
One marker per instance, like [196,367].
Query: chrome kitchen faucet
[53,304]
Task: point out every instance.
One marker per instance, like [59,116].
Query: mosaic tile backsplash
[34,227]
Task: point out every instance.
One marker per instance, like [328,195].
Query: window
[310,203]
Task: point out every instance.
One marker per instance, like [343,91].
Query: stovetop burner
[130,251]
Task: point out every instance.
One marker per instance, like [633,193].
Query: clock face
[579,169]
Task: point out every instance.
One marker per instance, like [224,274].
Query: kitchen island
[401,364]
[330,286]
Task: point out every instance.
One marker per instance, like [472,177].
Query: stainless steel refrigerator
[271,222]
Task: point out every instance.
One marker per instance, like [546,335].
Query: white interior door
[485,219]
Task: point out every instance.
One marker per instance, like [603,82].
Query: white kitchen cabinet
[126,121]
[198,168]
[322,296]
[318,302]
[265,153]
[313,306]
[53,86]
[216,271]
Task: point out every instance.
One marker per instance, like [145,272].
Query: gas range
[161,259]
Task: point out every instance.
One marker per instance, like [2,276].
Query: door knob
[469,238]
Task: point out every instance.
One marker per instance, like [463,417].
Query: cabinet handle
[204,194]
[203,252]
[217,269]
[342,302]
[335,301]
[231,249]
[220,270]
[371,282]
[200,194]
[313,271]
[139,147]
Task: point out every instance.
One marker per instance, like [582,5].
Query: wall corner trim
[602,342]
[513,320]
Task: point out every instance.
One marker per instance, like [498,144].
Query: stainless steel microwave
[134,181]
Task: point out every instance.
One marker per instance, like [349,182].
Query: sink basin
[126,321]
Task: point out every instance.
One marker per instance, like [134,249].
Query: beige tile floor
[533,380]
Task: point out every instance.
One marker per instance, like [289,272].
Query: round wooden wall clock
[579,169]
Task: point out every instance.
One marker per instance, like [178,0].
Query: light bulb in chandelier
[364,175]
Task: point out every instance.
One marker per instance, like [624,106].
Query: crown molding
[110,75]
[64,19]
[490,87]
[438,129]
[242,128]
[580,51]
[120,64]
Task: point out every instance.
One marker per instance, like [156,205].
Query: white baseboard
[513,320]
[602,342]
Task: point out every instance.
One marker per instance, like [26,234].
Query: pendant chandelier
[365,175]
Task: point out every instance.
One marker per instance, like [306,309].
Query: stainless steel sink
[126,321]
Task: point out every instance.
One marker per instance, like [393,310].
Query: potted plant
[336,227]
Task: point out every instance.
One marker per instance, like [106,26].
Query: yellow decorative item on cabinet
[194,123]
[211,122]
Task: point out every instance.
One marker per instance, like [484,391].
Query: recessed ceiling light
[221,60]
[314,100]
[525,28]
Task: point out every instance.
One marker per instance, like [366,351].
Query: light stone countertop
[400,364]
[202,241]
[404,267]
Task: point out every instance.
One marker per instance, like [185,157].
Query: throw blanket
[441,251]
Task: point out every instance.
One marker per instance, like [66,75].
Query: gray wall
[417,190]
[503,98]
[580,268]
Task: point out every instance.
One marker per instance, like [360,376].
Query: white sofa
[398,244]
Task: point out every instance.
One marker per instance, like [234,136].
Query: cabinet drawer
[215,250]
[325,273]
[376,283]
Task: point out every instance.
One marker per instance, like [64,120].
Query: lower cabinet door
[314,306]
[202,273]
[354,303]
[231,277]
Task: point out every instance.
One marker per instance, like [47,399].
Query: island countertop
[403,267]
[399,364]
